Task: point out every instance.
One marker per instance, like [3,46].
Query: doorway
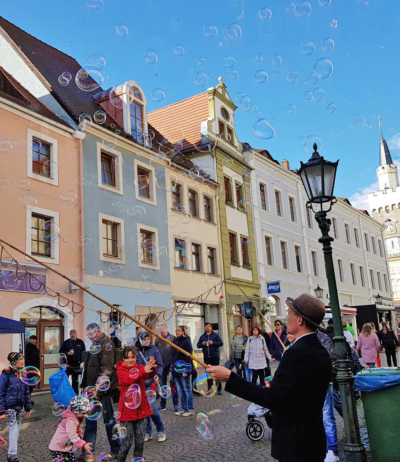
[47,324]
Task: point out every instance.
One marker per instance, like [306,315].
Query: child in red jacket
[133,404]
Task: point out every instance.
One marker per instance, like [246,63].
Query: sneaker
[162,437]
[161,408]
[188,413]
[12,459]
[179,412]
[148,438]
[176,409]
[108,457]
[220,392]
[89,458]
[331,457]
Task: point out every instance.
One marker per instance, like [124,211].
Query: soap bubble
[260,77]
[62,359]
[293,293]
[28,200]
[277,60]
[68,196]
[89,78]
[122,30]
[290,7]
[58,409]
[307,48]
[309,141]
[138,459]
[302,9]
[134,387]
[201,61]
[4,183]
[201,385]
[90,392]
[165,391]
[95,410]
[30,376]
[95,4]
[119,432]
[291,109]
[157,95]
[103,383]
[328,44]
[232,32]
[134,373]
[100,117]
[65,78]
[179,50]
[151,396]
[210,31]
[313,78]
[132,399]
[117,415]
[150,57]
[229,62]
[244,205]
[85,121]
[95,348]
[92,330]
[318,94]
[182,367]
[334,24]
[263,129]
[331,108]
[308,95]
[265,14]
[97,61]
[357,121]
[200,79]
[234,74]
[324,2]
[293,76]
[204,426]
[108,347]
[323,68]
[246,103]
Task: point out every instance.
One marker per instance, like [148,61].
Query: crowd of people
[313,357]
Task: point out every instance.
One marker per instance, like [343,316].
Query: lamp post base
[355,453]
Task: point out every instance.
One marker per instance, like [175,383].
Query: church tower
[387,173]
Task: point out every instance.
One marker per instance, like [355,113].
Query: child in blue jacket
[14,398]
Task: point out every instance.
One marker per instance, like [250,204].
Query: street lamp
[318,176]
[319,293]
[378,299]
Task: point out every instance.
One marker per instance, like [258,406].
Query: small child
[133,419]
[14,398]
[68,436]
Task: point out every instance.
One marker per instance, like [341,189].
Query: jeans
[212,361]
[156,418]
[239,367]
[164,381]
[330,421]
[248,373]
[338,402]
[184,391]
[74,373]
[391,353]
[258,373]
[14,418]
[90,433]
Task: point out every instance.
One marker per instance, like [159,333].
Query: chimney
[285,164]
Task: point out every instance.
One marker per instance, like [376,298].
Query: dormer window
[136,114]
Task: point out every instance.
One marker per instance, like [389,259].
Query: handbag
[229,364]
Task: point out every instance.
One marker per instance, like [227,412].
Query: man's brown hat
[308,307]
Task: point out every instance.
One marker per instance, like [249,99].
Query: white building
[288,250]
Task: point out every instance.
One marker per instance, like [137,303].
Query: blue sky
[363,84]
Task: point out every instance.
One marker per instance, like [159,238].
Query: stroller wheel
[255,430]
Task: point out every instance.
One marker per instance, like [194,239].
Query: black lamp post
[318,176]
[378,299]
[319,293]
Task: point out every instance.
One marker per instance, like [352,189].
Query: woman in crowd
[256,355]
[237,349]
[276,347]
[182,379]
[369,345]
[389,342]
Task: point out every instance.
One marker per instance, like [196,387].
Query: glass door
[51,343]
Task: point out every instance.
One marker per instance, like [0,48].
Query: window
[229,134]
[334,224]
[196,257]
[107,169]
[211,261]
[180,253]
[225,113]
[208,215]
[263,197]
[283,253]
[356,237]
[244,242]
[298,258]
[110,239]
[362,276]
[228,189]
[309,221]
[347,232]
[268,250]
[278,203]
[239,193]
[385,280]
[380,247]
[42,228]
[366,241]
[143,182]
[314,262]
[136,115]
[353,273]
[221,128]
[340,266]
[378,277]
[176,195]
[373,244]
[233,248]
[371,273]
[193,203]
[42,157]
[147,246]
[291,207]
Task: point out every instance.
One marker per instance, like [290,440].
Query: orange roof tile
[181,121]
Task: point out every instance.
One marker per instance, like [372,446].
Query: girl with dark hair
[256,355]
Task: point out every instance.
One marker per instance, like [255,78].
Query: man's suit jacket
[296,399]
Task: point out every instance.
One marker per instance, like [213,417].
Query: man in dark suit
[298,389]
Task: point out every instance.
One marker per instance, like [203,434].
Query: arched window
[393,206]
[387,209]
[136,114]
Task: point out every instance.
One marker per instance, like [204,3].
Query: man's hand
[81,365]
[203,343]
[28,414]
[88,448]
[272,360]
[210,342]
[70,353]
[219,373]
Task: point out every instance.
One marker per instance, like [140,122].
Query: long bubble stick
[143,326]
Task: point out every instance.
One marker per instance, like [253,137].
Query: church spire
[385,157]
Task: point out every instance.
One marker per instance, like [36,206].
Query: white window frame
[53,156]
[340,270]
[266,209]
[198,196]
[198,243]
[297,245]
[121,239]
[119,188]
[335,227]
[286,253]
[316,273]
[153,191]
[216,263]
[55,246]
[347,233]
[353,273]
[156,265]
[279,191]
[291,198]
[187,244]
[269,236]
[210,198]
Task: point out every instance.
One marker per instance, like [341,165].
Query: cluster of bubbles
[65,78]
[30,376]
[204,426]
[89,78]
[301,9]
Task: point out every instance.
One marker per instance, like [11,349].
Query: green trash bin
[382,411]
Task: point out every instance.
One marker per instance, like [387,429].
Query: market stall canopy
[9,326]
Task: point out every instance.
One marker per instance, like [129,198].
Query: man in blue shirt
[210,342]
[73,348]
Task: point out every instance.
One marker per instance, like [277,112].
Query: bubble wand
[113,307]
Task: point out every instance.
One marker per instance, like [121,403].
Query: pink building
[40,204]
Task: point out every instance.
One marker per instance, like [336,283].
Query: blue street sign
[274,287]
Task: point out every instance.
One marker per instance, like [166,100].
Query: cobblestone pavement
[183,444]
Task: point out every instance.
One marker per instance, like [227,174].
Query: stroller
[255,429]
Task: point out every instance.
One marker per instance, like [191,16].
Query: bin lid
[380,371]
[377,379]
